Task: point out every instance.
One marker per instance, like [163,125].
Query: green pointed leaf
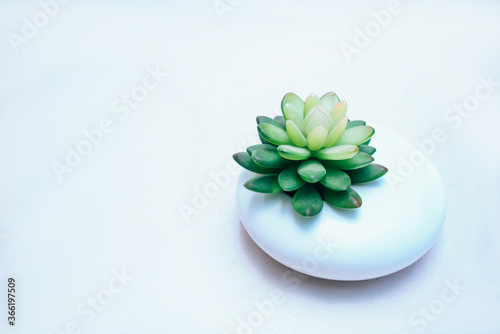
[293,152]
[353,124]
[264,184]
[293,114]
[294,100]
[338,112]
[367,142]
[336,133]
[329,100]
[316,139]
[245,160]
[335,179]
[341,152]
[280,119]
[360,160]
[307,201]
[348,199]
[269,158]
[317,116]
[356,136]
[367,149]
[253,148]
[367,174]
[311,101]
[268,120]
[290,180]
[311,171]
[295,134]
[273,134]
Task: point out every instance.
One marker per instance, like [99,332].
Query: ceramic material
[401,217]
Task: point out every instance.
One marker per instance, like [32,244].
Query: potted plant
[314,154]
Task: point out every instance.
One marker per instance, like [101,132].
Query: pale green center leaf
[293,152]
[295,134]
[336,133]
[311,171]
[293,114]
[294,100]
[311,101]
[329,100]
[356,136]
[338,112]
[317,138]
[360,160]
[317,116]
[341,152]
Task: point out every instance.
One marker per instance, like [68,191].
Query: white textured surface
[120,207]
[396,225]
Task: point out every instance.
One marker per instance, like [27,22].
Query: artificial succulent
[313,152]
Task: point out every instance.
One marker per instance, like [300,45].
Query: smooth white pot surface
[401,217]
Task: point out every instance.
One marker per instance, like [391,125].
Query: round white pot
[401,217]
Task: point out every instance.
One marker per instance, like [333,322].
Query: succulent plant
[313,152]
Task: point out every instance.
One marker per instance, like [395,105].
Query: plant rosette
[297,201]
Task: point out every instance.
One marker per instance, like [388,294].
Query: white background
[120,208]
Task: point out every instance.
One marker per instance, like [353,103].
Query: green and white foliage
[313,152]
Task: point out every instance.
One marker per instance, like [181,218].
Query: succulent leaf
[360,160]
[316,139]
[253,148]
[311,171]
[269,158]
[335,179]
[293,152]
[295,134]
[307,201]
[293,114]
[340,152]
[269,120]
[274,134]
[338,112]
[280,119]
[289,179]
[294,100]
[353,124]
[356,136]
[367,174]
[336,133]
[348,199]
[268,184]
[311,101]
[263,141]
[367,149]
[317,116]
[329,100]
[245,160]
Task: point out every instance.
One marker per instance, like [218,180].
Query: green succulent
[313,152]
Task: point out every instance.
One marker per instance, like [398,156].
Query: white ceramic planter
[396,225]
